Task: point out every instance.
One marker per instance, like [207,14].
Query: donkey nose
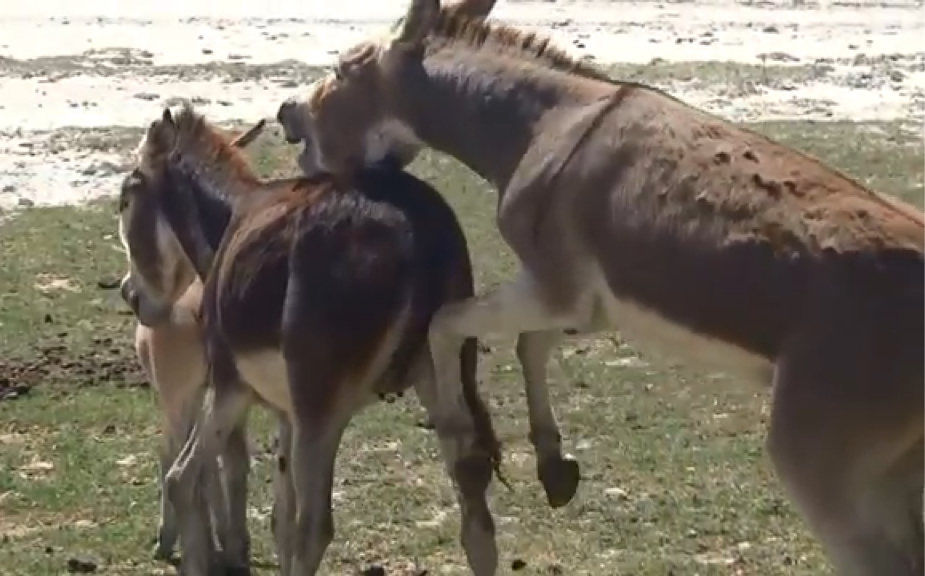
[129,294]
[285,109]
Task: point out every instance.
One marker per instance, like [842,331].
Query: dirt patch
[57,364]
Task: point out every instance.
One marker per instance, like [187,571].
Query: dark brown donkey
[631,210]
[316,300]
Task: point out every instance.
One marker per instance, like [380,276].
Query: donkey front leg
[186,488]
[178,425]
[513,308]
[167,526]
[224,409]
[282,516]
[559,474]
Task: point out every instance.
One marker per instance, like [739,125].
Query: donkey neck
[485,109]
[203,199]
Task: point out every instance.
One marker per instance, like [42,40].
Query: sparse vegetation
[675,477]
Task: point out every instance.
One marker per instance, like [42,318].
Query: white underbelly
[661,340]
[265,372]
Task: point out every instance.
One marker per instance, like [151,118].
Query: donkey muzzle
[287,116]
[150,313]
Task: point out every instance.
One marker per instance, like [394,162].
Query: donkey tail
[485,437]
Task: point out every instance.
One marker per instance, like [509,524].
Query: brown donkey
[559,473]
[173,359]
[631,210]
[317,298]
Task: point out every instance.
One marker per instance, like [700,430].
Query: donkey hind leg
[559,474]
[323,401]
[233,535]
[179,426]
[282,516]
[868,520]
[224,409]
[471,478]
[312,457]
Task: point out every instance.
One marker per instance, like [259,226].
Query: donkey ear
[243,139]
[417,23]
[472,8]
[167,116]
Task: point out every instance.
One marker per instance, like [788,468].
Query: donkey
[317,297]
[172,357]
[630,210]
[558,473]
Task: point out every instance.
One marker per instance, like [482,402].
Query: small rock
[374,570]
[27,202]
[617,493]
[518,564]
[149,96]
[108,284]
[81,566]
[897,76]
[779,57]
[9,188]
[770,30]
[13,392]
[207,50]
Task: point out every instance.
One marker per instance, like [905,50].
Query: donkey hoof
[560,477]
[162,552]
[238,570]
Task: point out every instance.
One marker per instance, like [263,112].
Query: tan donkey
[631,210]
[173,359]
[317,297]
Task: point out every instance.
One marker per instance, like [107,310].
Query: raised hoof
[560,477]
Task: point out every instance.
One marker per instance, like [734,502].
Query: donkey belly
[664,341]
[265,372]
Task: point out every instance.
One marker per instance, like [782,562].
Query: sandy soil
[72,74]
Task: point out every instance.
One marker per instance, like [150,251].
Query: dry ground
[675,478]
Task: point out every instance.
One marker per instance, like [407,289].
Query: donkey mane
[205,153]
[454,28]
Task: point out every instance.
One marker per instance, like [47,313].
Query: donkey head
[159,269]
[349,118]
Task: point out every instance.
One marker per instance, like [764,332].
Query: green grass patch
[676,480]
